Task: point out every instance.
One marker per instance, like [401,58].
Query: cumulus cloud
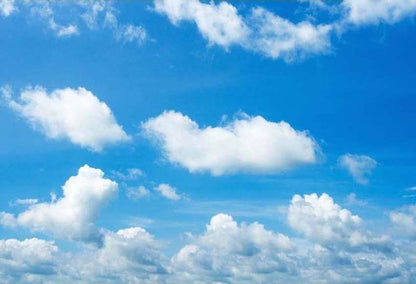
[73,114]
[73,215]
[364,12]
[218,23]
[128,256]
[228,252]
[167,191]
[358,166]
[262,31]
[277,37]
[322,220]
[7,7]
[340,250]
[20,261]
[248,144]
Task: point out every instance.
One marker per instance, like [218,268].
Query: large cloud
[23,261]
[228,252]
[72,216]
[129,255]
[323,221]
[74,114]
[246,144]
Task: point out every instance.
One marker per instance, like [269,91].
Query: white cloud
[323,221]
[73,215]
[363,12]
[122,32]
[218,23]
[358,166]
[262,31]
[7,7]
[20,261]
[277,37]
[167,191]
[130,255]
[74,114]
[228,252]
[137,193]
[44,12]
[404,221]
[247,144]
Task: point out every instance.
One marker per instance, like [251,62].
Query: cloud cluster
[22,261]
[358,166]
[274,36]
[247,144]
[335,247]
[73,215]
[261,31]
[73,114]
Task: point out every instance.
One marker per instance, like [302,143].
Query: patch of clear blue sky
[359,99]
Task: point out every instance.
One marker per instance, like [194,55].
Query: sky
[187,141]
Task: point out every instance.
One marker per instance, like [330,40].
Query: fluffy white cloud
[167,191]
[218,23]
[362,12]
[7,7]
[21,261]
[74,114]
[262,31]
[359,166]
[72,216]
[405,221]
[228,252]
[277,37]
[130,255]
[325,222]
[247,144]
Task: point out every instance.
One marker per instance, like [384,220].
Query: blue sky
[189,97]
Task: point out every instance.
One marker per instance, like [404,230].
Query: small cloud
[167,191]
[360,167]
[24,202]
[129,174]
[353,200]
[137,193]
